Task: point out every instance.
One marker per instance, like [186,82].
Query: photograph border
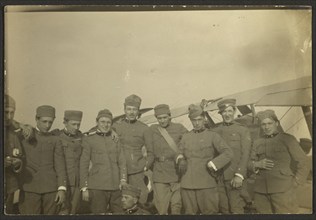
[162,5]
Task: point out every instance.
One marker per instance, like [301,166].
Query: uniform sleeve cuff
[254,169]
[179,157]
[211,164]
[239,175]
[62,188]
[83,189]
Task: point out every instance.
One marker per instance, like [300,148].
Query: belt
[163,158]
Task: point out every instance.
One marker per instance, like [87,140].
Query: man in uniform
[71,139]
[162,140]
[130,196]
[271,159]
[44,179]
[238,138]
[131,134]
[205,152]
[12,152]
[101,184]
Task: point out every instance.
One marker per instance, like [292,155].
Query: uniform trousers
[203,200]
[37,203]
[137,180]
[230,200]
[9,203]
[279,203]
[101,199]
[166,194]
[72,201]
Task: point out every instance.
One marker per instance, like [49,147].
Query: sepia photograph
[157,110]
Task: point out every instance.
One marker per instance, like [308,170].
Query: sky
[92,60]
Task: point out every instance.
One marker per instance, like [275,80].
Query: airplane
[296,92]
[291,93]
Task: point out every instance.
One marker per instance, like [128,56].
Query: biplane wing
[296,92]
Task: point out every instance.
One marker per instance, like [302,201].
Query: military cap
[133,100]
[105,113]
[195,111]
[162,109]
[267,114]
[9,101]
[45,111]
[73,115]
[223,104]
[131,190]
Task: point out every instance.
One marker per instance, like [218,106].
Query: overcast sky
[92,60]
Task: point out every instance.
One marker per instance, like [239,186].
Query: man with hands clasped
[237,136]
[101,183]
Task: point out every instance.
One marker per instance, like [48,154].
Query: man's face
[8,115]
[269,126]
[128,201]
[72,126]
[104,124]
[163,120]
[198,122]
[131,112]
[228,114]
[44,123]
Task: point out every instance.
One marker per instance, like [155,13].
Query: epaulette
[55,132]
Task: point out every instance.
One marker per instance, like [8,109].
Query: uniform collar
[68,134]
[228,124]
[271,135]
[166,126]
[40,132]
[98,132]
[199,131]
[132,210]
[130,121]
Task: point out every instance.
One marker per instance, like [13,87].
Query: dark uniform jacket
[198,148]
[164,170]
[282,149]
[238,138]
[107,160]
[72,146]
[45,167]
[131,136]
[11,142]
[137,211]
